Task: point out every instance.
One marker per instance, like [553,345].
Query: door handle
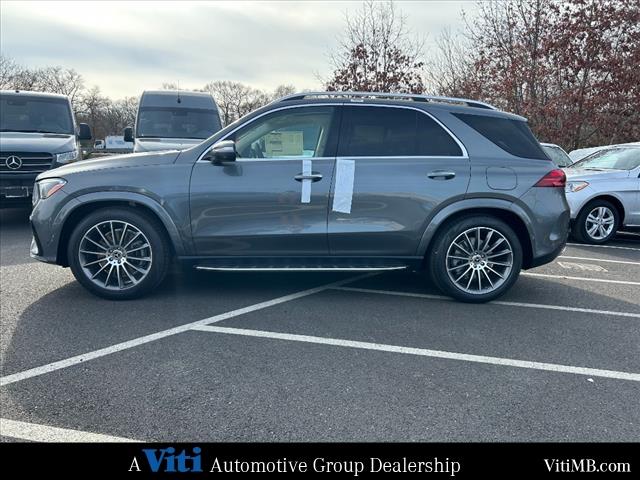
[441,175]
[314,177]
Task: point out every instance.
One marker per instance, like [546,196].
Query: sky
[127,47]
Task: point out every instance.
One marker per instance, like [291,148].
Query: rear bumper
[549,223]
[549,257]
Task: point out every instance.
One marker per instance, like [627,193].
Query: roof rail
[381,95]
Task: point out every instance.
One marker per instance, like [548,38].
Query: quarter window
[393,132]
[513,136]
[295,132]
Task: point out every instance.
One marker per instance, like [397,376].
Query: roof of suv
[27,93]
[450,104]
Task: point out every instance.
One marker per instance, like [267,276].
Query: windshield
[612,159]
[557,155]
[170,122]
[34,114]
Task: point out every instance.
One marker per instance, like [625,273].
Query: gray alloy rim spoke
[460,247]
[123,262]
[124,231]
[98,245]
[480,273]
[135,268]
[93,253]
[94,262]
[146,245]
[106,280]
[132,279]
[132,239]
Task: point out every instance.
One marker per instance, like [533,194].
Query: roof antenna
[178,85]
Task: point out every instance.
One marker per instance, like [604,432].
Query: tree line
[570,67]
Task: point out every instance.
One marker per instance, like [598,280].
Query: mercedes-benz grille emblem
[13,162]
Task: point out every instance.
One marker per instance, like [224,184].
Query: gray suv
[317,181]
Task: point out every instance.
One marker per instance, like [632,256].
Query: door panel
[394,194]
[254,208]
[272,201]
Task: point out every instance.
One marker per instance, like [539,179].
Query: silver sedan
[603,191]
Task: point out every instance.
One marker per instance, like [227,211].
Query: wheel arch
[510,213]
[91,202]
[615,201]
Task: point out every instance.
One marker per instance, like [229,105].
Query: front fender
[126,196]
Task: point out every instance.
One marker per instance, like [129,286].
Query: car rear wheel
[118,253]
[597,222]
[476,259]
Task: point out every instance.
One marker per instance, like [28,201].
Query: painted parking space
[228,387]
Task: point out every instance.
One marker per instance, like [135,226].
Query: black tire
[438,262]
[153,235]
[580,230]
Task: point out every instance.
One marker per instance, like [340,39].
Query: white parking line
[508,362]
[583,279]
[45,433]
[494,302]
[77,359]
[600,260]
[602,246]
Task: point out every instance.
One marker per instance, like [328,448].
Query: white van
[173,120]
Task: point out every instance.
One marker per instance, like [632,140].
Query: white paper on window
[343,193]
[306,183]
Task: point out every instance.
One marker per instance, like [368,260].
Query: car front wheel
[118,253]
[476,259]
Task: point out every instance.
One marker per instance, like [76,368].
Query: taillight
[555,178]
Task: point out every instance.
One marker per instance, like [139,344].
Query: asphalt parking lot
[322,357]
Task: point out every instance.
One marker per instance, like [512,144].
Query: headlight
[576,186]
[67,157]
[49,186]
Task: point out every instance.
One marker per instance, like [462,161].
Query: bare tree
[14,76]
[570,67]
[65,81]
[377,52]
[235,99]
[282,91]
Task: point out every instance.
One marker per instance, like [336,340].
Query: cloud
[128,47]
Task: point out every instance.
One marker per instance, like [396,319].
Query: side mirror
[84,132]
[222,152]
[128,134]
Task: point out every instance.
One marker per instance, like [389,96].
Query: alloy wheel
[115,255]
[479,260]
[599,223]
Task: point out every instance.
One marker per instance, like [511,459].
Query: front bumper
[16,190]
[47,218]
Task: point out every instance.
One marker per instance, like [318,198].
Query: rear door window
[513,136]
[393,132]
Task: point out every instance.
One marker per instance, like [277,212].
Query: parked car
[317,181]
[557,154]
[38,131]
[581,153]
[173,120]
[603,191]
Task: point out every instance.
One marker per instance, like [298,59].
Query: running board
[300,269]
